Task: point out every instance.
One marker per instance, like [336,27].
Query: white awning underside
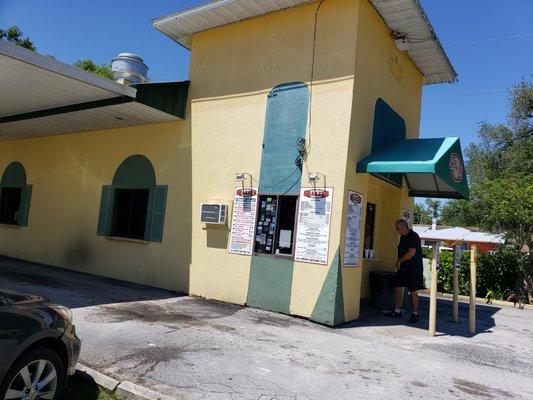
[41,96]
[404,16]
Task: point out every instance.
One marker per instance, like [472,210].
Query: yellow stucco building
[285,128]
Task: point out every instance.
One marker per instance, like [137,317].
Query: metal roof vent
[129,69]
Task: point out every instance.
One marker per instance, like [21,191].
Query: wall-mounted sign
[243,221]
[314,220]
[353,229]
[407,215]
[457,256]
[456,167]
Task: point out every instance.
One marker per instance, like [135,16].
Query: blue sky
[490,43]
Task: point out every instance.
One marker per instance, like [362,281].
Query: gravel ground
[192,348]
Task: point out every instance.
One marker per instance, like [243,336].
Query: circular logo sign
[354,198]
[456,167]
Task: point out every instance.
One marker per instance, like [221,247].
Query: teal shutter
[158,214]
[24,209]
[106,211]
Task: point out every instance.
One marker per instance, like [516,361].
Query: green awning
[431,167]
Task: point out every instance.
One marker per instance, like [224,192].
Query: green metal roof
[432,167]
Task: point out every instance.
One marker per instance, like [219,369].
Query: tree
[500,167]
[500,172]
[421,215]
[89,65]
[14,35]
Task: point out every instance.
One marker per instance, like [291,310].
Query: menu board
[266,225]
[314,219]
[353,229]
[243,221]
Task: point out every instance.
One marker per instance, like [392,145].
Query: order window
[369,225]
[276,221]
[130,212]
[10,205]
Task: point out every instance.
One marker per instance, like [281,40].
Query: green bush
[498,273]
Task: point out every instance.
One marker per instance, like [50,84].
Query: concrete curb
[479,300]
[102,380]
[131,391]
[125,389]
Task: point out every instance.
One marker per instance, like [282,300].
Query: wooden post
[472,311]
[456,284]
[433,291]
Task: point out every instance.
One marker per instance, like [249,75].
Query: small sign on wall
[314,220]
[353,229]
[243,221]
[407,215]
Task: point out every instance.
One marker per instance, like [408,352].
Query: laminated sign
[353,229]
[243,221]
[314,219]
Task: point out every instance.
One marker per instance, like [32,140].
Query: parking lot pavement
[191,348]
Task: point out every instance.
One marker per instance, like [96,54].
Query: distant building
[451,236]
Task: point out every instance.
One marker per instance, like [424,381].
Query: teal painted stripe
[329,307]
[285,124]
[270,284]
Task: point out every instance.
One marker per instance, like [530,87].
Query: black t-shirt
[411,241]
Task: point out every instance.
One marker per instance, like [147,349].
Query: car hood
[15,297]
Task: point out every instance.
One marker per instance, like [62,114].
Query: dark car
[38,347]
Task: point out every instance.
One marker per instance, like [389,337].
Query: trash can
[382,289]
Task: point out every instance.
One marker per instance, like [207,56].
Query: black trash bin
[382,289]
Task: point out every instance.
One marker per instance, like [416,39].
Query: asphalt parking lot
[191,348]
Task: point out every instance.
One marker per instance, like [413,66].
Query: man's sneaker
[414,318]
[394,314]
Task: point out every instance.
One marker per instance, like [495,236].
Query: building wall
[233,68]
[67,173]
[381,72]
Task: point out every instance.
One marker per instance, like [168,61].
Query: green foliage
[445,276]
[14,35]
[498,273]
[421,215]
[89,65]
[500,171]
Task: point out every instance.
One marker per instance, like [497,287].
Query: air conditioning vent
[214,213]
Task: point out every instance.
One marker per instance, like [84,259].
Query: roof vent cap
[129,69]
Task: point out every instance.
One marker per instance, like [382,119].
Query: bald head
[402,227]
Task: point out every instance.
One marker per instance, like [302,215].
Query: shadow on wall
[445,325]
[217,236]
[71,288]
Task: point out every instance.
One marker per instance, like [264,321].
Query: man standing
[409,270]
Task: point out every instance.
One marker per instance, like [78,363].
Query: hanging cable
[308,149]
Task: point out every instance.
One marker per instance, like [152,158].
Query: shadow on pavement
[71,288]
[445,325]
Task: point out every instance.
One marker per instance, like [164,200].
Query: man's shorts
[413,280]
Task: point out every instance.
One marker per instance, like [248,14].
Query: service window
[10,205]
[276,221]
[369,225]
[131,209]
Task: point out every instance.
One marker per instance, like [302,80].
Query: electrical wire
[308,149]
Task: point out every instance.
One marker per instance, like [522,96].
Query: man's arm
[407,256]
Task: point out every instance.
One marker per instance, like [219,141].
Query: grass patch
[79,388]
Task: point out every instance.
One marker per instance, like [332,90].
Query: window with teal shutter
[133,206]
[15,196]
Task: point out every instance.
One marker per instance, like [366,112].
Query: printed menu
[314,219]
[243,221]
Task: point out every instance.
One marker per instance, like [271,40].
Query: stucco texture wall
[233,68]
[67,173]
[381,72]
